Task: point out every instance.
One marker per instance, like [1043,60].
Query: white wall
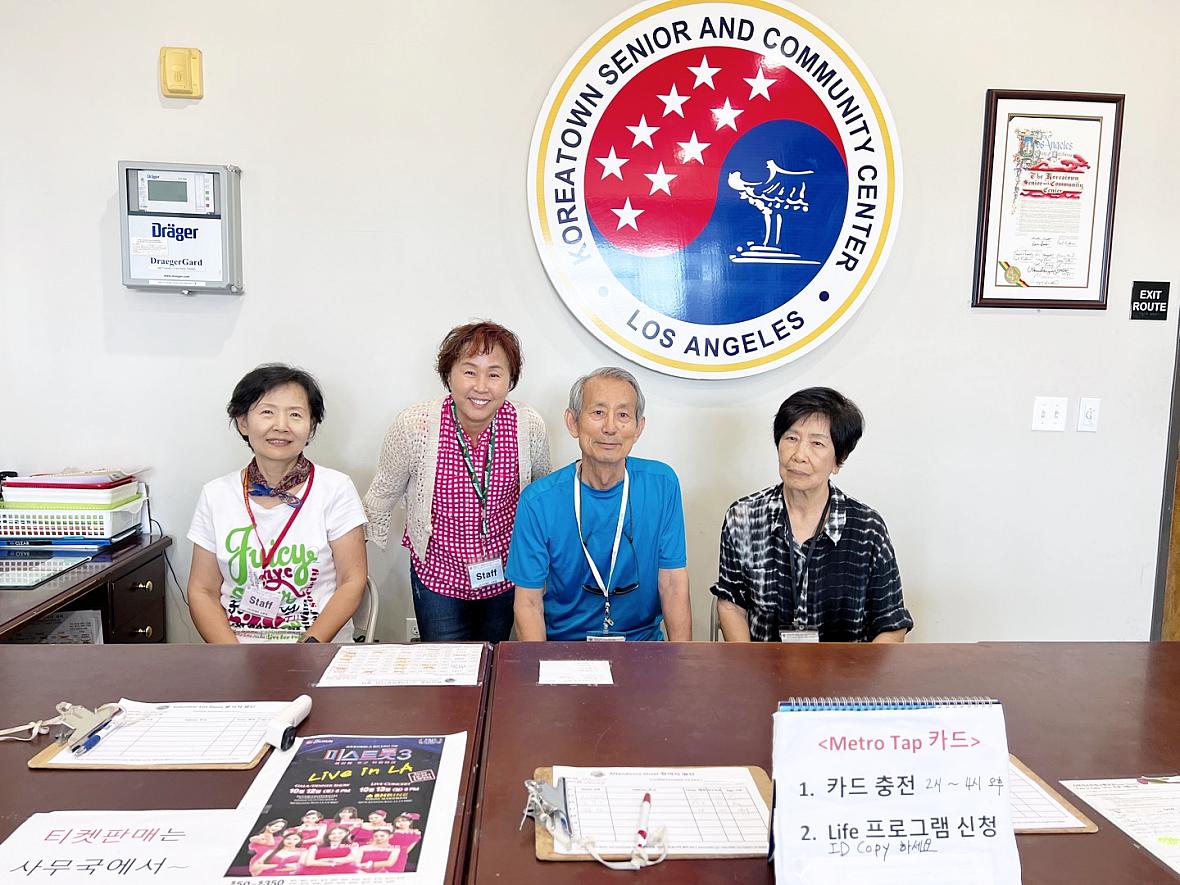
[384,146]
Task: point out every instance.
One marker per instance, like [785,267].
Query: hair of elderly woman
[474,339]
[579,387]
[266,377]
[845,421]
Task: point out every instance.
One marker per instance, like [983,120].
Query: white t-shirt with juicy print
[282,601]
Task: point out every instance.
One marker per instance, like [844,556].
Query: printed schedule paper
[124,847]
[893,791]
[704,811]
[148,735]
[432,663]
[1147,812]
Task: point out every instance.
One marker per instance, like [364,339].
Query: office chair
[364,619]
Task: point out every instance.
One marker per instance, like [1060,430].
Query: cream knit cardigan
[409,461]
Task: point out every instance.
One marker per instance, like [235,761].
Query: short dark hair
[845,420]
[257,382]
[478,338]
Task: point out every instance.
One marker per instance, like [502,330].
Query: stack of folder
[70,513]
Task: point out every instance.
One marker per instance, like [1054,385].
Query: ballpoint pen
[641,830]
[93,738]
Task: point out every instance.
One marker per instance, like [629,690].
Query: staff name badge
[486,573]
[798,636]
[257,601]
[601,636]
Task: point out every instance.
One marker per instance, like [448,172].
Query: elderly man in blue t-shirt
[598,547]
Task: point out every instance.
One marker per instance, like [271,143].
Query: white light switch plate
[1049,413]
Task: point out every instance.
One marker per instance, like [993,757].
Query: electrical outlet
[1088,414]
[412,634]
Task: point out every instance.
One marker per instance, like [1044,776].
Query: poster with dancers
[347,809]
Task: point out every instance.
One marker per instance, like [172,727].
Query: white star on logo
[692,149]
[761,84]
[673,103]
[704,73]
[726,116]
[613,164]
[659,180]
[643,132]
[627,216]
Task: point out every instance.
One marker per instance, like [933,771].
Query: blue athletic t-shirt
[545,552]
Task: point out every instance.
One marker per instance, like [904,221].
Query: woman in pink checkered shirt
[458,464]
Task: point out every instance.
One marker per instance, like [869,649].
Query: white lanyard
[614,554]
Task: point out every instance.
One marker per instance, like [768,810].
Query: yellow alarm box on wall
[180,72]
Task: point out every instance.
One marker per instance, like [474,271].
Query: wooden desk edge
[462,842]
[473,823]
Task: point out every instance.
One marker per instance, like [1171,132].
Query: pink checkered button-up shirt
[455,541]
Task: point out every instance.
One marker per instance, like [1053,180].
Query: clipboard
[543,839]
[42,761]
[1089,825]
[187,735]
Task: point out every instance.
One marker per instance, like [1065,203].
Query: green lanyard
[481,492]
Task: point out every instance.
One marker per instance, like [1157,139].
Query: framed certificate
[1046,199]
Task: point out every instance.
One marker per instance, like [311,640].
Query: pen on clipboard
[641,829]
[92,739]
[1159,779]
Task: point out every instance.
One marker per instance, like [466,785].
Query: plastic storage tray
[16,523]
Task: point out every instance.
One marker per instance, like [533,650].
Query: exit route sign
[1149,301]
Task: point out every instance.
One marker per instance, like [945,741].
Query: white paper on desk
[575,673]
[705,811]
[78,627]
[426,663]
[123,847]
[1148,813]
[1035,809]
[147,734]
[844,815]
[382,778]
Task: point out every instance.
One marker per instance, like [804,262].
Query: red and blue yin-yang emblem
[714,187]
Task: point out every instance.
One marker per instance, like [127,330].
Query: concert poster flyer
[341,809]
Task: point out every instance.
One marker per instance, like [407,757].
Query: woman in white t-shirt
[278,547]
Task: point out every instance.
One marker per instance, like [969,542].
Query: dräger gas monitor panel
[180,227]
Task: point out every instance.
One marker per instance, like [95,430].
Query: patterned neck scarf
[296,476]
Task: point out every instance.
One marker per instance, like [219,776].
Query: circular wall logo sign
[714,187]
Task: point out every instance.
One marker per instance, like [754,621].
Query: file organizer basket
[18,523]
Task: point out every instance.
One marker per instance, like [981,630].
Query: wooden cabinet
[136,612]
[127,586]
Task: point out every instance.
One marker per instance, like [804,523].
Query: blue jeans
[447,619]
